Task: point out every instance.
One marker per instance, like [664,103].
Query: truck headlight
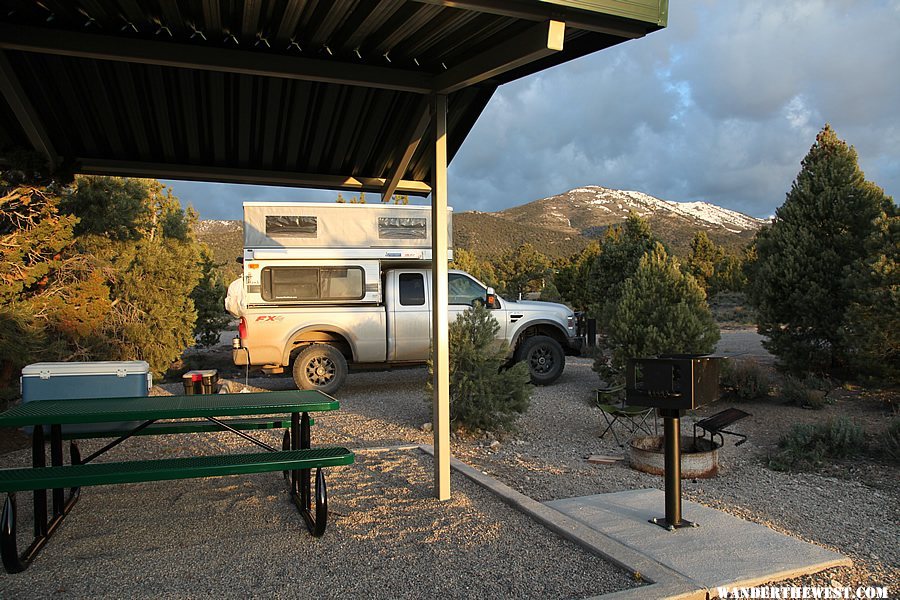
[570,321]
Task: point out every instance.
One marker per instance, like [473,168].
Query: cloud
[720,106]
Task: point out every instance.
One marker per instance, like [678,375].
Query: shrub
[807,445]
[808,393]
[891,448]
[483,395]
[746,379]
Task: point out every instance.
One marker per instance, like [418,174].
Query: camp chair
[632,418]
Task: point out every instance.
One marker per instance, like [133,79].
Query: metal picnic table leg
[305,473]
[301,480]
[295,444]
[56,459]
[39,459]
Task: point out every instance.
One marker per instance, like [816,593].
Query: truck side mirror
[490,299]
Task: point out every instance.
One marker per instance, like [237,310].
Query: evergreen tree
[728,275]
[150,271]
[623,247]
[483,395]
[521,270]
[464,260]
[873,319]
[800,283]
[573,277]
[209,298]
[51,300]
[661,310]
[705,254]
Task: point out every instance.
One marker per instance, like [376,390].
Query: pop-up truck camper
[325,286]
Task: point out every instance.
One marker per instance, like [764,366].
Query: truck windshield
[463,290]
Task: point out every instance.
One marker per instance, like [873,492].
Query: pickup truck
[319,340]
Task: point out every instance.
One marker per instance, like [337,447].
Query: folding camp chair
[632,418]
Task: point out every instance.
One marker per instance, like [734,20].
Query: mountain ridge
[559,225]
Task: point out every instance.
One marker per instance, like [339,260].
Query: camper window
[280,284]
[291,226]
[401,228]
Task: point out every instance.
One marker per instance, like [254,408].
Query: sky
[721,106]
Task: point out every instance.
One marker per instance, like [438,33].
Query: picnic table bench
[715,425]
[296,456]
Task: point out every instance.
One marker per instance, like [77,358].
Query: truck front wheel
[545,358]
[320,367]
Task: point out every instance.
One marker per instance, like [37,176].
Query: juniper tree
[573,277]
[521,270]
[622,249]
[705,254]
[661,310]
[209,299]
[465,260]
[872,327]
[150,264]
[483,394]
[52,303]
[800,280]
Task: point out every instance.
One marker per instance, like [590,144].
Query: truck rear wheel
[320,367]
[545,358]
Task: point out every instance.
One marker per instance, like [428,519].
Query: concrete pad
[723,551]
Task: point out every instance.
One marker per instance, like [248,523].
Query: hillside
[558,226]
[226,241]
[589,211]
[490,234]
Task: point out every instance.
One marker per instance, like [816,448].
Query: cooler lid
[120,368]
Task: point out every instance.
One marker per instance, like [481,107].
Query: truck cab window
[463,290]
[412,289]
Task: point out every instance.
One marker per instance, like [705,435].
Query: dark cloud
[720,106]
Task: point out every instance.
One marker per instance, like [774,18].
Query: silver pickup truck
[319,339]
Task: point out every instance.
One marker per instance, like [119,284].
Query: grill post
[672,431]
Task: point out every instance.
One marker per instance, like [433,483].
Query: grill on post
[672,384]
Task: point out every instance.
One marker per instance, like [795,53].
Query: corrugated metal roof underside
[142,113]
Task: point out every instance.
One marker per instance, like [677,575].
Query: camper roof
[337,226]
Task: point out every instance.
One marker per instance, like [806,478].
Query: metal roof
[312,93]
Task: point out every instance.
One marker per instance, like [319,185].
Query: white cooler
[79,380]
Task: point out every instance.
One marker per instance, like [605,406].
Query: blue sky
[721,106]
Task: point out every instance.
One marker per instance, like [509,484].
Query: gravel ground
[239,537]
[382,506]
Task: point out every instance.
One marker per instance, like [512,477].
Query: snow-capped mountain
[559,223]
[594,206]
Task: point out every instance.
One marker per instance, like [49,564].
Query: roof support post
[27,116]
[440,338]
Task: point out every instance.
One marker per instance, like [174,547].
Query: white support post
[439,337]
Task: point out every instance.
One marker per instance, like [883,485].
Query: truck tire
[545,358]
[320,367]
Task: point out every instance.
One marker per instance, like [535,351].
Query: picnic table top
[104,410]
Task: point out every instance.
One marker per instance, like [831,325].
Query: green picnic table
[296,456]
